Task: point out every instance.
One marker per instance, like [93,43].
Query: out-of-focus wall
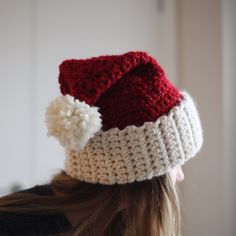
[201,75]
[207,69]
[36,36]
[229,102]
[16,125]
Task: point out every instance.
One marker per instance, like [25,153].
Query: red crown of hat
[129,89]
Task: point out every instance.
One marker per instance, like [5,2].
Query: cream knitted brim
[139,153]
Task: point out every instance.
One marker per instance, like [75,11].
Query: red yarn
[129,89]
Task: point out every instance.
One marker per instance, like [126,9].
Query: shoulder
[39,190]
[32,224]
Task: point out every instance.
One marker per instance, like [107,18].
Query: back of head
[141,208]
[124,126]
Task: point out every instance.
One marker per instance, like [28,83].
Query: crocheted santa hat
[121,120]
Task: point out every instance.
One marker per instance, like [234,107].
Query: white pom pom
[72,122]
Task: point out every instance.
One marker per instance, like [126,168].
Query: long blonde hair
[147,208]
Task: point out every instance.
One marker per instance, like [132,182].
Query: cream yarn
[72,122]
[139,153]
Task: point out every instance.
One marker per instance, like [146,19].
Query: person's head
[127,131]
[126,127]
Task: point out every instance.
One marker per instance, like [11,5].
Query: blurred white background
[193,40]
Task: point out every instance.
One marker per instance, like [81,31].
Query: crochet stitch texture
[129,89]
[136,154]
[148,125]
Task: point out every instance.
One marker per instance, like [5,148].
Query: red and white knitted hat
[121,120]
